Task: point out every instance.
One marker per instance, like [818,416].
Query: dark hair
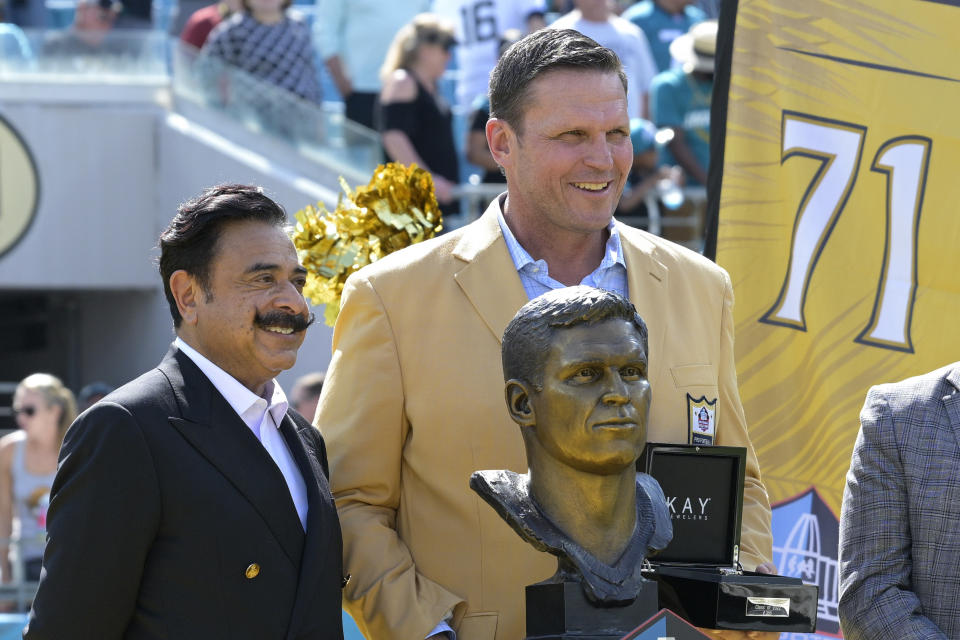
[538,53]
[307,386]
[190,241]
[526,340]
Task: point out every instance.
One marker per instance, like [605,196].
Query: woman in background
[415,122]
[269,43]
[44,408]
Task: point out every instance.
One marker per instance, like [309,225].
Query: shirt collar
[240,399]
[613,252]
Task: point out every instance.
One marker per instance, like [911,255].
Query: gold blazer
[414,403]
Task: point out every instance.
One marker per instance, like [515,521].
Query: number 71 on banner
[838,146]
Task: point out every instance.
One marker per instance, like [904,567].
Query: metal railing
[18,589]
[63,56]
[318,131]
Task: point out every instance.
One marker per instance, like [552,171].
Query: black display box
[699,573]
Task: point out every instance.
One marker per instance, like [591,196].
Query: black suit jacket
[163,502]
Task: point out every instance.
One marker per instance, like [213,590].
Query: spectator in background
[92,394]
[415,121]
[203,21]
[353,36]
[595,19]
[93,21]
[681,101]
[479,27]
[268,43]
[645,173]
[27,14]
[44,408]
[478,151]
[305,394]
[663,21]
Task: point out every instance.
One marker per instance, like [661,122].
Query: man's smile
[284,330]
[592,186]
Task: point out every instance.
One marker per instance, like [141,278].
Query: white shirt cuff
[443,627]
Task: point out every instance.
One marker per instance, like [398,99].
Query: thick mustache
[296,321]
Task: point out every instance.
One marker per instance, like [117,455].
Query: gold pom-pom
[396,209]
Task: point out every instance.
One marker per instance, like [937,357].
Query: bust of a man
[575,366]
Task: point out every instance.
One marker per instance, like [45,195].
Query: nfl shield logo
[701,417]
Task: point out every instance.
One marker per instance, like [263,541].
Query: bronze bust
[575,364]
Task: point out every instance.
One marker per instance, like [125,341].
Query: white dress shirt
[262,416]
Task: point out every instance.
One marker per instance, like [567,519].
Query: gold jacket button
[252,571]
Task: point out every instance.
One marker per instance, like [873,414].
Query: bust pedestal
[561,611]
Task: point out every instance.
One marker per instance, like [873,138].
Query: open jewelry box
[699,574]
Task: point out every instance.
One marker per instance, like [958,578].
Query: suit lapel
[647,282]
[317,540]
[952,402]
[489,278]
[215,430]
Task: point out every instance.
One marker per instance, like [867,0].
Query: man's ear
[186,293]
[502,140]
[518,403]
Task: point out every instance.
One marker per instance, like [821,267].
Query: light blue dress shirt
[610,275]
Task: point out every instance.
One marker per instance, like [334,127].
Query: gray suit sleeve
[876,601]
[103,517]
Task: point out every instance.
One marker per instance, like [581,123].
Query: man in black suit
[191,503]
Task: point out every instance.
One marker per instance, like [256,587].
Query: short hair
[526,340]
[91,391]
[425,28]
[55,394]
[539,53]
[190,241]
[306,386]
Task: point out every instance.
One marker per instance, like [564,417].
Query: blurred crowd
[415,72]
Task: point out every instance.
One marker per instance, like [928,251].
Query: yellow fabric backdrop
[839,218]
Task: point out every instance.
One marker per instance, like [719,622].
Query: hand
[443,189]
[767,567]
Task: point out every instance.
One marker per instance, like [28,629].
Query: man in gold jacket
[414,398]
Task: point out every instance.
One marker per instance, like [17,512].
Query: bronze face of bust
[575,365]
[588,410]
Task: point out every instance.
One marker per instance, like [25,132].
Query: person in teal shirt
[663,21]
[680,101]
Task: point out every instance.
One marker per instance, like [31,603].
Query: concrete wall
[113,166]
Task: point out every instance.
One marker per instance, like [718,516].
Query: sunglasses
[27,411]
[441,39]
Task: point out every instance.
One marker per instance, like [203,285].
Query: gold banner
[839,218]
